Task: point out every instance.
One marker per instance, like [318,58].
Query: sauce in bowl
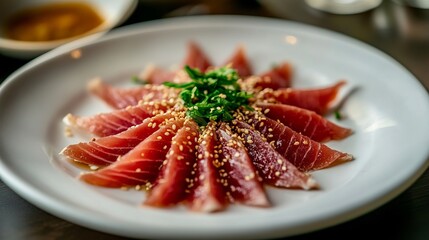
[52,22]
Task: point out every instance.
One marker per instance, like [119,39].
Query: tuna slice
[156,75]
[301,151]
[305,122]
[278,77]
[176,177]
[196,58]
[243,182]
[240,62]
[106,150]
[273,167]
[317,100]
[123,97]
[208,194]
[141,165]
[106,124]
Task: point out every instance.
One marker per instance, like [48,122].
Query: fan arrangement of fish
[150,141]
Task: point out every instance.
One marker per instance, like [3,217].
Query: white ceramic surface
[389,114]
[344,6]
[114,13]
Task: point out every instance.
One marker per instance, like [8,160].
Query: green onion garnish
[213,95]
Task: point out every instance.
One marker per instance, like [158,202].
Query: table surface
[400,31]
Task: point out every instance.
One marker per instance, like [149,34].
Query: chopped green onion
[137,80]
[212,96]
[338,115]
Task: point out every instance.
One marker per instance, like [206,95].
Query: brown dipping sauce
[52,22]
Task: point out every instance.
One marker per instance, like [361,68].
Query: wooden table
[400,31]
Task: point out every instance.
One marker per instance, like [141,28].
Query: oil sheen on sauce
[52,22]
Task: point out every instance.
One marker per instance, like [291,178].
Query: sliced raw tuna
[114,122]
[141,165]
[240,62]
[119,98]
[208,194]
[196,57]
[106,150]
[301,151]
[243,181]
[278,77]
[273,167]
[176,177]
[318,99]
[305,122]
[156,75]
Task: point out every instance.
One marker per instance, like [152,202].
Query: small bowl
[113,12]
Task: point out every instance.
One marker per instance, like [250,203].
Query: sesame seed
[92,167]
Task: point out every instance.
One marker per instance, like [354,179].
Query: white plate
[389,114]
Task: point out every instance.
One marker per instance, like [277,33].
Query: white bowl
[113,12]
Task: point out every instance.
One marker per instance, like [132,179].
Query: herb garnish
[213,95]
[338,115]
[137,80]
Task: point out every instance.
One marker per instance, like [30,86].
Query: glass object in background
[343,6]
[415,3]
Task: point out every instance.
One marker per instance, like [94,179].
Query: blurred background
[399,28]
